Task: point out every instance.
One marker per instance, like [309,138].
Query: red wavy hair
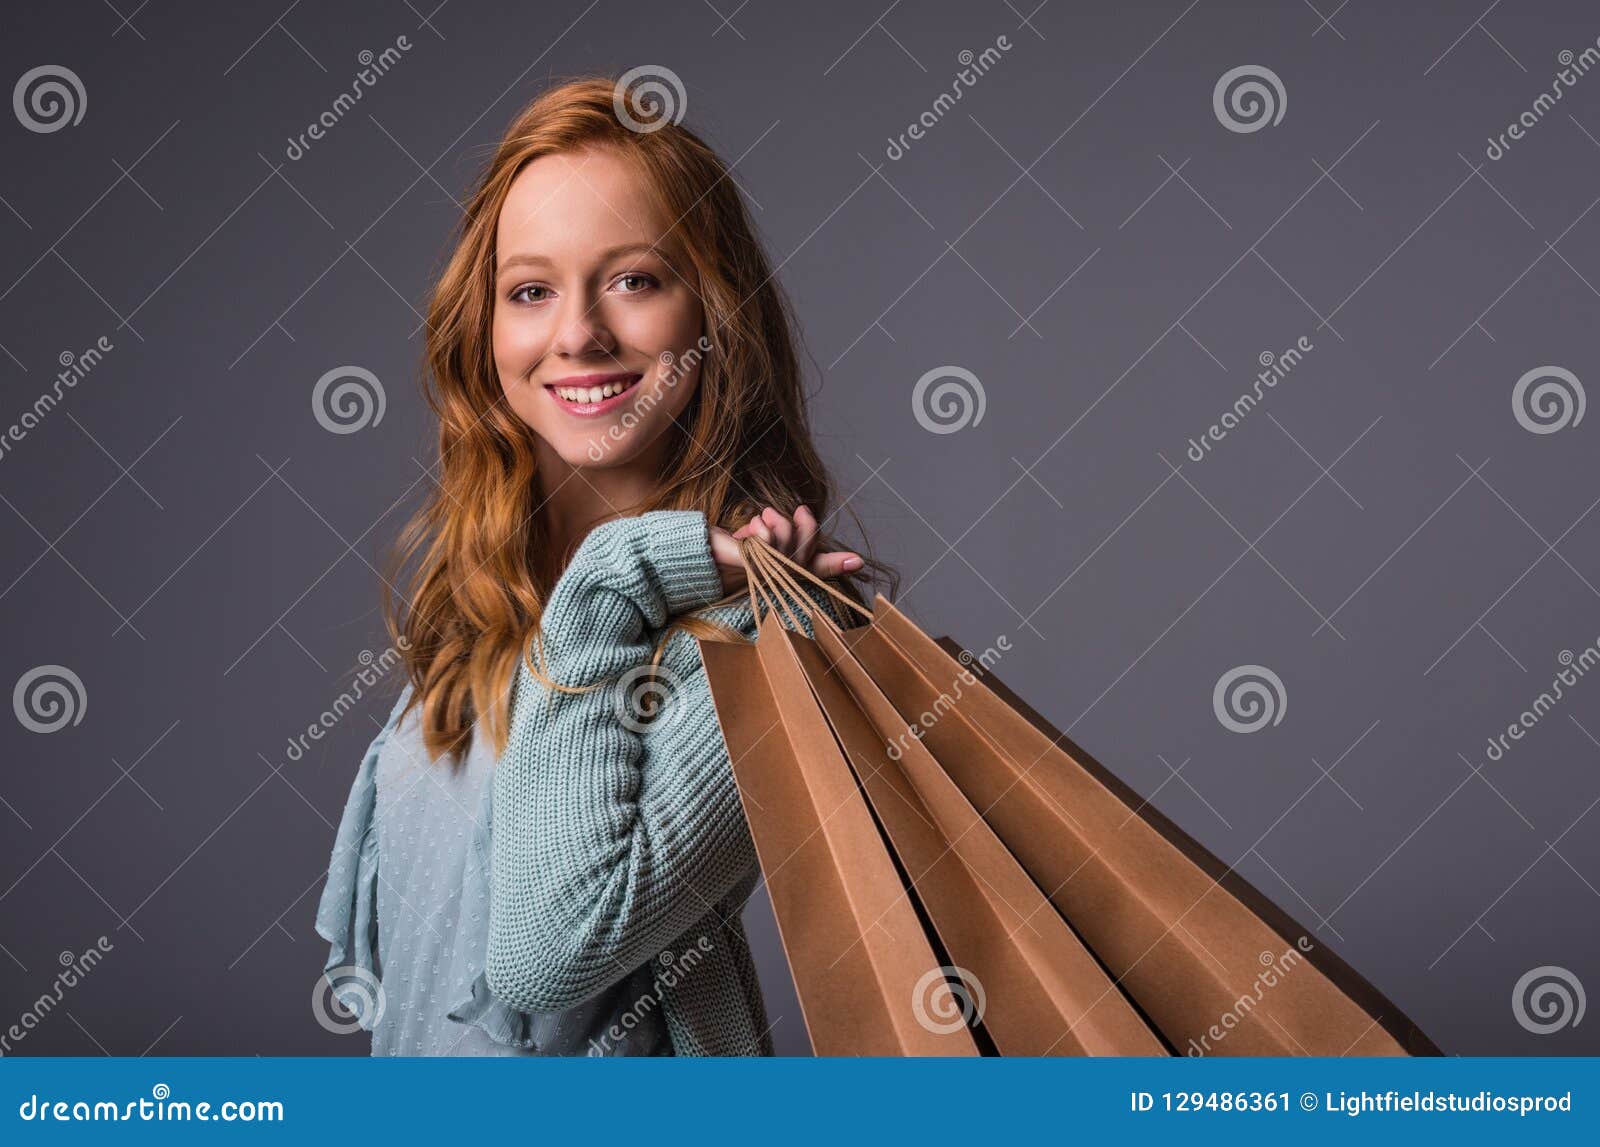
[477,562]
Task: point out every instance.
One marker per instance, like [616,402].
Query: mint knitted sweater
[619,839]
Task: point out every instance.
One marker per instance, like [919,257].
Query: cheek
[518,346]
[678,374]
[678,385]
[664,324]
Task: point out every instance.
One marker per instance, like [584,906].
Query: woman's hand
[795,540]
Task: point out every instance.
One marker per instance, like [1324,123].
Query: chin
[604,449]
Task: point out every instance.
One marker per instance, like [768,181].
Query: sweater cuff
[679,550]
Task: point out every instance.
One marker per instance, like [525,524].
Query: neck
[575,499]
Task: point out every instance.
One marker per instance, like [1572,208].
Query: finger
[835,562]
[729,561]
[806,531]
[724,547]
[741,533]
[759,529]
[782,531]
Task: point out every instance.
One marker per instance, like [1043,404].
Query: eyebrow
[528,259]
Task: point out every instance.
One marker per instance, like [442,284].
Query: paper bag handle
[771,577]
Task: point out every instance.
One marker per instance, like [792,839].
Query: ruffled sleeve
[347,916]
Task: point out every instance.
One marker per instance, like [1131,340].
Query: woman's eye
[530,293]
[632,284]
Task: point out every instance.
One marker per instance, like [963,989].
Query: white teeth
[590,394]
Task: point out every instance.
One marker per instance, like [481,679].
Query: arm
[611,838]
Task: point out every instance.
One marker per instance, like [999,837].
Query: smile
[592,394]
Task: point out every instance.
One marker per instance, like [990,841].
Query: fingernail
[851,563]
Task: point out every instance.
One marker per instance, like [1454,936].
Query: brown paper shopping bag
[856,948]
[877,756]
[1214,965]
[1035,987]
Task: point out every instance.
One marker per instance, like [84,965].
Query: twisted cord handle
[773,577]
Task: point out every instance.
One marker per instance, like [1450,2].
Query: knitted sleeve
[616,829]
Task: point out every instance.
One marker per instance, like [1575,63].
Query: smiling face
[596,330]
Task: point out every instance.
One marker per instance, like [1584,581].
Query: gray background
[1382,533]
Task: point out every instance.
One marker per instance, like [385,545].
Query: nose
[583,331]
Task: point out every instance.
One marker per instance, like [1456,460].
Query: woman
[620,403]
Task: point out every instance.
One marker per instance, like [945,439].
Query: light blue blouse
[406,912]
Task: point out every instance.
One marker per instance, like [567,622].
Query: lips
[592,394]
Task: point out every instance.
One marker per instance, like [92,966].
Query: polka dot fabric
[582,894]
